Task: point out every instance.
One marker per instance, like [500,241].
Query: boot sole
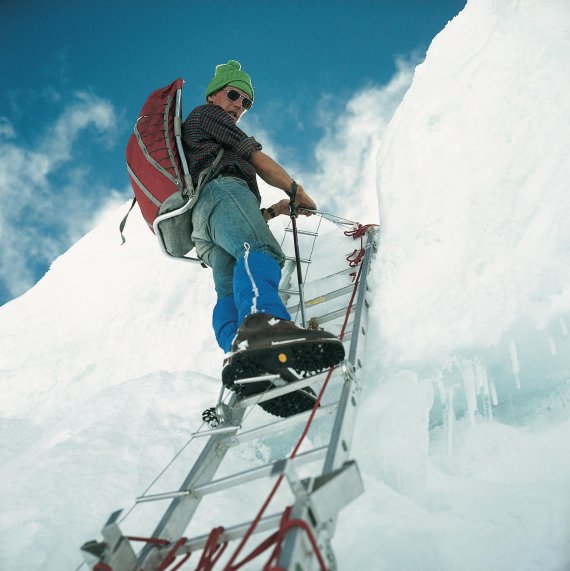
[303,357]
[290,404]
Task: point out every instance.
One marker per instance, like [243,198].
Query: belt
[231,175]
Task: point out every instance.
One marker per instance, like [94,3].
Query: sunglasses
[234,95]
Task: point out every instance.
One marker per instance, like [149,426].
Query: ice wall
[470,316]
[473,175]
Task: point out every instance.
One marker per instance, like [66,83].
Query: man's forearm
[270,171]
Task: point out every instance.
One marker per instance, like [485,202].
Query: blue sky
[76,72]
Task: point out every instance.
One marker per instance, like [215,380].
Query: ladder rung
[289,291]
[334,314]
[252,380]
[279,426]
[230,533]
[319,280]
[303,232]
[280,391]
[164,496]
[293,259]
[325,297]
[272,469]
[215,431]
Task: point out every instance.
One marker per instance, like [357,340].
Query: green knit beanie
[230,74]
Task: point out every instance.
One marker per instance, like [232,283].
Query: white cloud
[112,200]
[43,204]
[345,181]
[6,129]
[40,218]
[87,111]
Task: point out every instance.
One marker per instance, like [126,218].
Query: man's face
[233,108]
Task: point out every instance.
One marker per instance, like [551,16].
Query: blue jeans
[226,222]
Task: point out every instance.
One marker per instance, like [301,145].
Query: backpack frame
[159,173]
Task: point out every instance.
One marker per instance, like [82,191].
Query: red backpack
[159,173]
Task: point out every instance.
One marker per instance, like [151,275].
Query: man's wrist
[270,211]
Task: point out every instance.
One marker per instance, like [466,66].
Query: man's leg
[256,286]
[225,314]
[237,226]
[227,219]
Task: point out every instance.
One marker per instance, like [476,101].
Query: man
[231,234]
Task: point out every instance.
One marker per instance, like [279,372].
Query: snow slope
[107,363]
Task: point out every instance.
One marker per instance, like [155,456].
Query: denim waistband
[231,175]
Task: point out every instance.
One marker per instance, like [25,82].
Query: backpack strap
[204,177]
[124,220]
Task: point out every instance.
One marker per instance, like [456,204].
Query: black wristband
[271,211]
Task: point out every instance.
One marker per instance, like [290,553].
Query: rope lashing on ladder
[172,556]
[355,258]
[212,550]
[276,539]
[286,525]
[359,232]
[168,560]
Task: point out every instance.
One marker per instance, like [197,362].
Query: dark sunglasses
[234,95]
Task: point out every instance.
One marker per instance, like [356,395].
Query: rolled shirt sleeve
[206,129]
[220,126]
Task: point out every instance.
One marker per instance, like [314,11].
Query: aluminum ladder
[333,484]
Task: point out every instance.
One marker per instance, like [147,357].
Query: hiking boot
[291,403]
[265,344]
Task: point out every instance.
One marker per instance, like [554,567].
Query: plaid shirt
[206,129]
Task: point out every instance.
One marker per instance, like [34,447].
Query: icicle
[450,419]
[484,390]
[515,363]
[493,391]
[440,388]
[552,345]
[448,416]
[469,384]
[563,327]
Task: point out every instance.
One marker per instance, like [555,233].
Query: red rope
[359,231]
[355,258]
[230,566]
[212,550]
[171,556]
[286,525]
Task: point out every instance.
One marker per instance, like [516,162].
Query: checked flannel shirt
[205,130]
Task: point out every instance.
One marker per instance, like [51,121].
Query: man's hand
[303,200]
[282,207]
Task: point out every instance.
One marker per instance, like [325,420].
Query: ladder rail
[317,497]
[267,470]
[338,452]
[296,552]
[177,517]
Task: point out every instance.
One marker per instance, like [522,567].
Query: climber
[232,236]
